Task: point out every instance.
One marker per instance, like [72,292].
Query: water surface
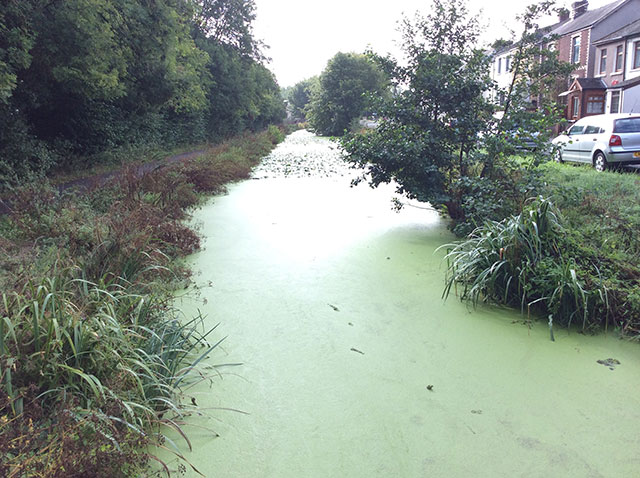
[353,366]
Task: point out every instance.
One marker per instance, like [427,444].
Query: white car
[605,141]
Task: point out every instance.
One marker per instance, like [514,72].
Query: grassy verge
[94,360]
[572,257]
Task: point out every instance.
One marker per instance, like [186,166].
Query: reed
[521,262]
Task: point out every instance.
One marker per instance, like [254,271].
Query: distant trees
[342,92]
[83,76]
[299,97]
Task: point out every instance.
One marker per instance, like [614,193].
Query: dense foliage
[83,76]
[343,93]
[524,261]
[299,97]
[573,260]
[601,214]
[438,136]
[94,359]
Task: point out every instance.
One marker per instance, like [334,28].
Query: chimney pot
[579,8]
[563,15]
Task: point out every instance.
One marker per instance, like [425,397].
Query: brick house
[576,44]
[618,66]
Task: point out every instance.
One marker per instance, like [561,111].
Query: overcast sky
[303,35]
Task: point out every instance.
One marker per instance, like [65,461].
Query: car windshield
[627,125]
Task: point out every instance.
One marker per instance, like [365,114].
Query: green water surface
[354,366]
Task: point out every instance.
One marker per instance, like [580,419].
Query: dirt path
[97,180]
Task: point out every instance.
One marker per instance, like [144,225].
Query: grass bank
[571,256]
[94,359]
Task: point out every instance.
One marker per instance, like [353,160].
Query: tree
[341,93]
[438,138]
[299,97]
[427,139]
[229,22]
[79,77]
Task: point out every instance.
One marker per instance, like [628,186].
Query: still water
[354,366]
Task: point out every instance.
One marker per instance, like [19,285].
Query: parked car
[522,140]
[605,141]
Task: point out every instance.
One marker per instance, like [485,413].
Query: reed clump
[524,261]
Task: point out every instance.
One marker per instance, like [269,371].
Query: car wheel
[599,161]
[557,156]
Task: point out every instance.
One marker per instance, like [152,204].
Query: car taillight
[615,140]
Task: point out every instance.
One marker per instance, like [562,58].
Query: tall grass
[96,352]
[521,262]
[94,360]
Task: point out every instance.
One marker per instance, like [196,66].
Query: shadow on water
[353,364]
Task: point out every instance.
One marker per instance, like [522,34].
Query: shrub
[521,262]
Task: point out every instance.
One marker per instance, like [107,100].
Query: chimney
[579,8]
[563,15]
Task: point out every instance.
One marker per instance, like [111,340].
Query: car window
[627,125]
[576,129]
[592,130]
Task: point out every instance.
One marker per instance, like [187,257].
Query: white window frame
[602,64]
[575,42]
[619,56]
[619,92]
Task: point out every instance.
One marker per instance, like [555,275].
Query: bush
[521,262]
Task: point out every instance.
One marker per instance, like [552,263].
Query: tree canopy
[342,92]
[299,97]
[83,76]
[438,137]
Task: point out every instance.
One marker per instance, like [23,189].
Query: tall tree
[342,92]
[438,137]
[299,97]
[428,134]
[229,22]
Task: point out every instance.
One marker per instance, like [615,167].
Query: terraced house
[604,46]
[618,67]
[576,43]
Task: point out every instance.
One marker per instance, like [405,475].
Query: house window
[499,65]
[636,55]
[575,107]
[619,57]
[575,50]
[507,65]
[615,102]
[603,61]
[595,105]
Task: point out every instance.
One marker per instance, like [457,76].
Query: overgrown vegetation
[94,359]
[572,258]
[80,77]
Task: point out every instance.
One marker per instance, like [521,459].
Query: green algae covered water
[352,364]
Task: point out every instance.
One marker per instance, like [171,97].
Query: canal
[352,365]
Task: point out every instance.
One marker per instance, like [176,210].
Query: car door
[571,149]
[587,142]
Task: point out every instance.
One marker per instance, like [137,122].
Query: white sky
[303,35]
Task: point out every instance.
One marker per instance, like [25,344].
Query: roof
[626,84]
[586,84]
[626,31]
[591,84]
[587,19]
[539,33]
